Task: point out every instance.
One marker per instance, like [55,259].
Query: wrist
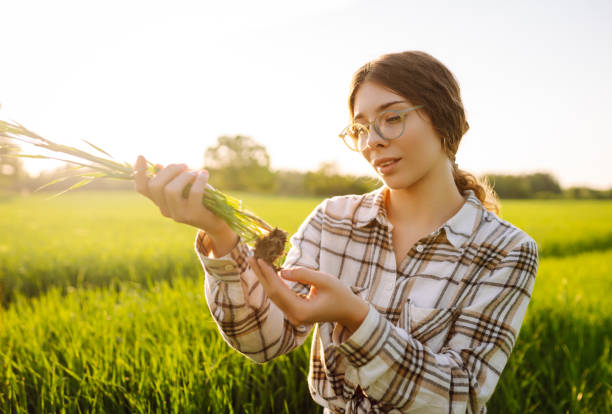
[359,309]
[222,242]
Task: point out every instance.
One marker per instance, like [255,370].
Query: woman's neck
[426,204]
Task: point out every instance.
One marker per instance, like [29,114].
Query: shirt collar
[372,207]
[459,228]
[465,222]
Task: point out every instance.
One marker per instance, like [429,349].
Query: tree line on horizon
[239,163]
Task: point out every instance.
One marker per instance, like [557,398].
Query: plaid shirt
[440,328]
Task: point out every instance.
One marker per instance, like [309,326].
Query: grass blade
[73,187]
[92,175]
[97,148]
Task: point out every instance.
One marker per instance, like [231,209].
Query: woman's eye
[392,118]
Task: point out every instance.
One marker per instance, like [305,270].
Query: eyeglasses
[388,125]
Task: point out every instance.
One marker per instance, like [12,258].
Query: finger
[140,176]
[173,192]
[264,278]
[303,275]
[257,270]
[294,306]
[159,182]
[197,189]
[165,175]
[284,296]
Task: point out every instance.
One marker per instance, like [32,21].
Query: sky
[166,78]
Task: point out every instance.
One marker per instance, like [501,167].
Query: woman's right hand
[165,189]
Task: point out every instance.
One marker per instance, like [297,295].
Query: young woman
[416,291]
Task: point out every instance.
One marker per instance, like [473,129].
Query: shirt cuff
[367,341]
[226,268]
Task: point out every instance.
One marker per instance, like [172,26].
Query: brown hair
[424,80]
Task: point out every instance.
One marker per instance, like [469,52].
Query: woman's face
[406,160]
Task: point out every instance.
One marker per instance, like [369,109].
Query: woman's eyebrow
[381,107]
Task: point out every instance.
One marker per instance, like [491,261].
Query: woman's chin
[398,183]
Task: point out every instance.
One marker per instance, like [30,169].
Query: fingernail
[285,273]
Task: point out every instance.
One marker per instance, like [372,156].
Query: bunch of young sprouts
[269,242]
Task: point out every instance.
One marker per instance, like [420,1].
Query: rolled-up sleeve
[395,368]
[247,319]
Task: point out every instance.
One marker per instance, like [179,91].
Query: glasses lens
[390,124]
[354,135]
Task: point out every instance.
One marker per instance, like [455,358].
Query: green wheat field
[103,310]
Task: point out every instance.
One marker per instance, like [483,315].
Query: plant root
[271,247]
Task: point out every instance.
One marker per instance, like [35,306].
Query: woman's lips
[387,167]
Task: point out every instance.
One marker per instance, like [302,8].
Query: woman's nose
[373,139]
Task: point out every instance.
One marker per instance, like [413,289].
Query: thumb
[140,164]
[302,274]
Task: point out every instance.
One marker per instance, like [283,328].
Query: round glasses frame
[352,141]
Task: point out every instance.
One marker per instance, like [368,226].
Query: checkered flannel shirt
[440,327]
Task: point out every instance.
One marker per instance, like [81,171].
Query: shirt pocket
[430,326]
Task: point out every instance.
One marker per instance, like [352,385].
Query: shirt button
[229,267]
[420,248]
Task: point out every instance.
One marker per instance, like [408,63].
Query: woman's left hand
[329,299]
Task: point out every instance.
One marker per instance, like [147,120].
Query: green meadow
[103,310]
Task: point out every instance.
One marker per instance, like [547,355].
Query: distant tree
[326,181]
[537,185]
[239,163]
[543,183]
[290,183]
[584,193]
[509,186]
